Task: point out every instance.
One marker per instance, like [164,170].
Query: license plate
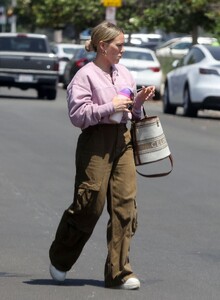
[25,78]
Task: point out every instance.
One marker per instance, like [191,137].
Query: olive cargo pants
[104,169]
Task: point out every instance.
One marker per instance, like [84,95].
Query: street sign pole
[2,18]
[110,12]
[14,18]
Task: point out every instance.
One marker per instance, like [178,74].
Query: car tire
[40,93]
[167,107]
[188,109]
[51,94]
[157,96]
[66,81]
[65,86]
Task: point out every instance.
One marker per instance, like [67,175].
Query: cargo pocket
[86,208]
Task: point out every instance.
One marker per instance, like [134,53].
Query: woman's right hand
[121,103]
[144,94]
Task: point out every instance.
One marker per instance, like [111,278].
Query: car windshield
[215,52]
[182,45]
[137,55]
[167,43]
[70,50]
[82,53]
[22,44]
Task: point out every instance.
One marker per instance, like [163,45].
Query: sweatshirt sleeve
[83,111]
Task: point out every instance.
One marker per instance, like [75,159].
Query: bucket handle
[158,174]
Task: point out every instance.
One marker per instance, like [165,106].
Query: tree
[57,13]
[169,15]
[181,16]
[25,14]
[5,3]
[129,15]
[82,14]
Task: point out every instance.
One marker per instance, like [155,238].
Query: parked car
[144,66]
[64,52]
[143,40]
[80,59]
[178,47]
[26,62]
[195,83]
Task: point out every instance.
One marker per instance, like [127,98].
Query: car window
[215,52]
[193,57]
[137,55]
[82,53]
[90,55]
[182,45]
[69,50]
[166,44]
[54,49]
[22,44]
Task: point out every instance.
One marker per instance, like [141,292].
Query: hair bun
[88,46]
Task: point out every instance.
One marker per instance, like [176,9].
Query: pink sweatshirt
[90,94]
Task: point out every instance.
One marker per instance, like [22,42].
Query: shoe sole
[129,287]
[57,277]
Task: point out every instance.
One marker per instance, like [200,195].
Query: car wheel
[40,93]
[167,107]
[51,94]
[157,95]
[188,109]
[65,86]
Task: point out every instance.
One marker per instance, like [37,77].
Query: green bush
[166,64]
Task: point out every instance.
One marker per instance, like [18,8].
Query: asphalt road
[176,250]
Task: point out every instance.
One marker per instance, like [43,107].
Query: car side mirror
[175,63]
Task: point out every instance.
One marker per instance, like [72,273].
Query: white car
[144,40]
[144,66]
[195,82]
[64,52]
[178,47]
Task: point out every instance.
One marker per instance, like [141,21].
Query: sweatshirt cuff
[137,103]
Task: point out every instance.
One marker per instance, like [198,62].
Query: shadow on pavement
[67,282]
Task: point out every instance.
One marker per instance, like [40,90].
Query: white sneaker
[56,274]
[130,284]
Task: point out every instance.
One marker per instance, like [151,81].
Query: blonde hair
[105,32]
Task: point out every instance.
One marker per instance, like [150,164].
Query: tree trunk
[195,34]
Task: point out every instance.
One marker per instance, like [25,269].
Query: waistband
[104,125]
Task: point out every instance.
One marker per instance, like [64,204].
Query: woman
[104,161]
